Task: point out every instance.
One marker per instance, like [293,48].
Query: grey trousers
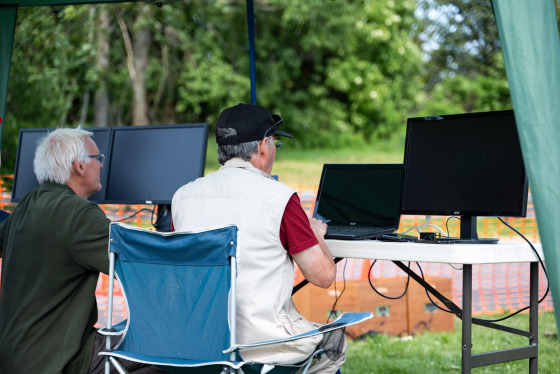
[325,365]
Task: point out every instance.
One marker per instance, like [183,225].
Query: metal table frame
[467,255]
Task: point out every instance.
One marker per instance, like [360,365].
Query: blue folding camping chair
[180,316]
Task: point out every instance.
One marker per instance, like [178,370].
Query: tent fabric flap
[531,48]
[7,27]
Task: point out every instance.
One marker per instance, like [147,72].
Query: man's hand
[319,227]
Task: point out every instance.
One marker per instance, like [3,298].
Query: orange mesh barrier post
[480,291]
[118,289]
[508,295]
[519,285]
[307,196]
[365,269]
[547,303]
[117,211]
[138,217]
[455,293]
[522,226]
[5,193]
[484,227]
[1,193]
[298,276]
[535,231]
[494,287]
[102,285]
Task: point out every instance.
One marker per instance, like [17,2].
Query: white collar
[242,164]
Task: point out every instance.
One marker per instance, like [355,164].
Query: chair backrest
[176,287]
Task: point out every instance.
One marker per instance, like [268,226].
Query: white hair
[56,153]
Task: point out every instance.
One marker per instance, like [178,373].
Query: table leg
[466,320]
[534,314]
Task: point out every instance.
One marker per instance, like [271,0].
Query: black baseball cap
[252,122]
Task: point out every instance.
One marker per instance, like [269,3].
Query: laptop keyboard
[343,229]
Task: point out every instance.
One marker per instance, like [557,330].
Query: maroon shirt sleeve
[295,232]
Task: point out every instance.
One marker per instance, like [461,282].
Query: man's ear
[263,147]
[78,167]
[268,146]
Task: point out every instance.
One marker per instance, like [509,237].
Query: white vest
[243,195]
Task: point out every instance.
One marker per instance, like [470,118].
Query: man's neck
[77,188]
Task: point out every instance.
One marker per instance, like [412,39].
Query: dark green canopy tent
[531,48]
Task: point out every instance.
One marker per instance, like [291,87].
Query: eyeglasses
[277,125]
[99,157]
[278,144]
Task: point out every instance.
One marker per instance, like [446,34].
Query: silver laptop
[359,201]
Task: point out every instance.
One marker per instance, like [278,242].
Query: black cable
[428,294]
[542,265]
[379,293]
[133,215]
[421,323]
[153,215]
[333,312]
[447,223]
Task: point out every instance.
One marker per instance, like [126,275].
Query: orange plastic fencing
[496,287]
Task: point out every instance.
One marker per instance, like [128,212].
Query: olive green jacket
[53,247]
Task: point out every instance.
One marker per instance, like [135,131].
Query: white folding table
[467,255]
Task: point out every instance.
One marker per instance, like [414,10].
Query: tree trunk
[137,50]
[101,100]
[141,46]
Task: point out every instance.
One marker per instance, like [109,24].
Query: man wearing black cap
[273,232]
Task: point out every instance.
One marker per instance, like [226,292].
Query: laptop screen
[360,194]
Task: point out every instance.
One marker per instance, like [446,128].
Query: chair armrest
[117,329]
[346,319]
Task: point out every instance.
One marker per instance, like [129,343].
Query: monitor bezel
[522,192]
[45,130]
[108,200]
[365,166]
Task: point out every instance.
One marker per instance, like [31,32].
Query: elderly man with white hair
[53,247]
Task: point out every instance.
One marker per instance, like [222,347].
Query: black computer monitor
[149,163]
[464,165]
[24,176]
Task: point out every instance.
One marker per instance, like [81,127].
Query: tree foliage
[461,37]
[339,72]
[465,71]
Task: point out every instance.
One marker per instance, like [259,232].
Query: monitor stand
[468,234]
[163,218]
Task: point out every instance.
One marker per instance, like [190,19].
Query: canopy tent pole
[531,49]
[251,31]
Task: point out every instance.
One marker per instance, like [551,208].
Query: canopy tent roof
[531,48]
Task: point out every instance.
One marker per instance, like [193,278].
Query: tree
[339,72]
[48,72]
[339,79]
[465,71]
[460,38]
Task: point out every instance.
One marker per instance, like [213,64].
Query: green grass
[303,167]
[441,352]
